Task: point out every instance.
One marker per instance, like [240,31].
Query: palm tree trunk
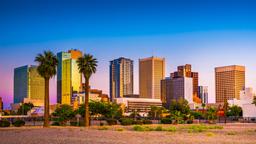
[86,103]
[46,104]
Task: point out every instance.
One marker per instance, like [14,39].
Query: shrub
[56,123]
[112,121]
[147,122]
[19,123]
[171,129]
[166,121]
[210,134]
[126,121]
[159,128]
[189,121]
[103,128]
[4,123]
[119,129]
[72,123]
[138,128]
[138,122]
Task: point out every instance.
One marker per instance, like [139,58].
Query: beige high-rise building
[229,81]
[151,72]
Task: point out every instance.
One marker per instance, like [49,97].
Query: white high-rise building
[183,88]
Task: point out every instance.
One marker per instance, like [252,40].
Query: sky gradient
[204,33]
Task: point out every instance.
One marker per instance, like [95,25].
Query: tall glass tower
[69,80]
[28,84]
[121,77]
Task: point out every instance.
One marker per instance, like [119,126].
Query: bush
[138,122]
[112,121]
[171,129]
[189,121]
[138,128]
[147,122]
[166,121]
[126,121]
[19,123]
[103,128]
[159,128]
[4,123]
[56,123]
[72,123]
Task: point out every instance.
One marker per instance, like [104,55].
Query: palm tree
[47,69]
[87,66]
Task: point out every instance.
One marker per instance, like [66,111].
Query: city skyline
[205,35]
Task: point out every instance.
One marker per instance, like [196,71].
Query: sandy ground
[232,133]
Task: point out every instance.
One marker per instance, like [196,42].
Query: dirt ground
[231,133]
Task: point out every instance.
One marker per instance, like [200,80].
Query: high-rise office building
[229,81]
[176,88]
[121,77]
[1,104]
[151,72]
[28,84]
[69,80]
[166,91]
[203,94]
[185,71]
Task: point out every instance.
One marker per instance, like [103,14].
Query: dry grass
[212,134]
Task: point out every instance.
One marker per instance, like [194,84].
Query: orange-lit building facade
[151,72]
[229,81]
[69,80]
[186,71]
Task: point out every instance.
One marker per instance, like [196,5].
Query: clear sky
[204,33]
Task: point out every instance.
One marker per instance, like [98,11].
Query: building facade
[203,94]
[28,84]
[151,72]
[182,88]
[121,78]
[186,71]
[69,80]
[1,104]
[229,81]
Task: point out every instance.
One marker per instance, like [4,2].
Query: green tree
[211,114]
[87,66]
[47,69]
[63,114]
[24,108]
[180,105]
[156,112]
[113,110]
[235,111]
[107,110]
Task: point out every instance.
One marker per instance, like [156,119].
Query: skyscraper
[203,94]
[69,80]
[28,84]
[151,72]
[229,81]
[1,104]
[176,88]
[121,77]
[185,71]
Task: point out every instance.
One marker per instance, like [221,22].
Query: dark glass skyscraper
[28,84]
[121,77]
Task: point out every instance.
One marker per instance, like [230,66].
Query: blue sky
[204,33]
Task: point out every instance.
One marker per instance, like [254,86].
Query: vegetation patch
[231,133]
[103,128]
[210,134]
[19,123]
[4,123]
[119,129]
